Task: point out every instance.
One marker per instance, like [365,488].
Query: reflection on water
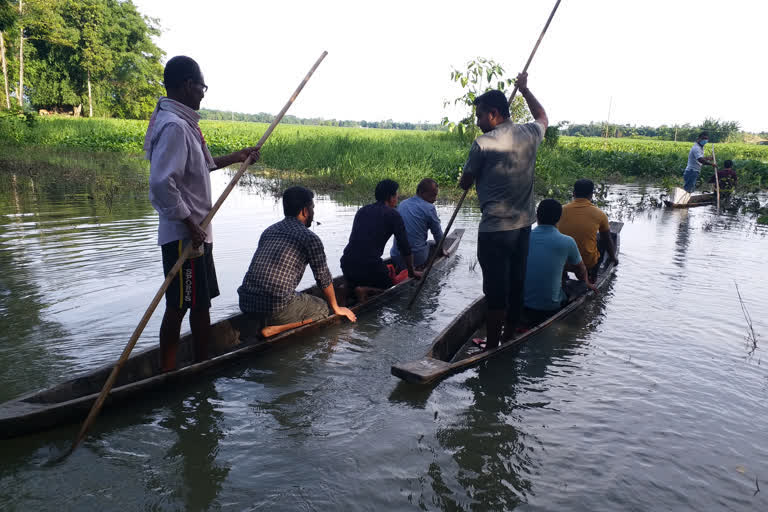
[197,425]
[646,399]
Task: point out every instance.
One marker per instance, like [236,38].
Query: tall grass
[356,159]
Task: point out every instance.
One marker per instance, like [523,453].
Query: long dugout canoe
[453,350]
[232,338]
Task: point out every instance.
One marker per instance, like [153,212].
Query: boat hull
[232,338]
[451,352]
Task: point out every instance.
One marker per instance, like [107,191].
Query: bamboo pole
[717,178]
[175,270]
[464,195]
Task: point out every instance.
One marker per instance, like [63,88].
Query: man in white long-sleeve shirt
[180,191]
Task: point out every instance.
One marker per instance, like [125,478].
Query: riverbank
[353,160]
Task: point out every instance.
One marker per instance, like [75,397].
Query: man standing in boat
[419,216]
[268,292]
[180,191]
[501,163]
[696,159]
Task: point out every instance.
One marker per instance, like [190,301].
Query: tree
[8,17]
[482,75]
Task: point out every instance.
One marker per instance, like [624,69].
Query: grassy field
[355,159]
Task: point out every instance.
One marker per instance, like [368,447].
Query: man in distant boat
[180,191]
[501,163]
[549,254]
[419,216]
[726,177]
[268,292]
[696,159]
[374,224]
[582,221]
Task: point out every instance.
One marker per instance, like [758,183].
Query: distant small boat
[231,338]
[453,350]
[683,199]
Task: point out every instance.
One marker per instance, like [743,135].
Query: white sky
[662,61]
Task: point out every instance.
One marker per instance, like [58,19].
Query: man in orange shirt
[582,220]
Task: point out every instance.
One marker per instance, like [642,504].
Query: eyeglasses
[197,82]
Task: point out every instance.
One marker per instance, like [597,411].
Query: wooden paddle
[717,178]
[439,247]
[175,270]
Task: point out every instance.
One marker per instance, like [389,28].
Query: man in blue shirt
[549,253]
[419,216]
[696,159]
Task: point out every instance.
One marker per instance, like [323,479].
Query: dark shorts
[502,256]
[199,284]
[375,276]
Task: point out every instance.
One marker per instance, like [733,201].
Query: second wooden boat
[453,350]
[231,338]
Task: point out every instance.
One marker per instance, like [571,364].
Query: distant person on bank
[420,217]
[180,191]
[696,159]
[268,293]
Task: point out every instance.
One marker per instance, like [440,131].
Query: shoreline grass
[355,159]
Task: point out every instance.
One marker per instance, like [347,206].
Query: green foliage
[358,158]
[719,131]
[482,75]
[551,136]
[71,42]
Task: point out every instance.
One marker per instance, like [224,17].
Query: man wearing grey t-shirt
[501,163]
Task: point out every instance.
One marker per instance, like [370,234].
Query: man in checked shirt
[285,248]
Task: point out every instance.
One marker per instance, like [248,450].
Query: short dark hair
[704,134]
[424,185]
[728,163]
[493,99]
[549,212]
[583,188]
[179,69]
[296,199]
[386,189]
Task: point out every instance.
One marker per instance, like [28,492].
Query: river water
[653,397]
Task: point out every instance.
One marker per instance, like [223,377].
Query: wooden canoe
[693,201]
[232,338]
[453,351]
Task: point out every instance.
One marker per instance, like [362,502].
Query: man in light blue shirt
[696,159]
[549,253]
[419,215]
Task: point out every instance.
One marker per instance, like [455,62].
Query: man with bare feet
[285,249]
[374,224]
[180,191]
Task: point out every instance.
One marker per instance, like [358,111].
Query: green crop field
[356,158]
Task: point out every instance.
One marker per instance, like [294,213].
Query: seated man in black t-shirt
[361,262]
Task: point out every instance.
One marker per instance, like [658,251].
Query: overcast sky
[661,61]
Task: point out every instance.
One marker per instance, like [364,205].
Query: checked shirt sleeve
[317,261]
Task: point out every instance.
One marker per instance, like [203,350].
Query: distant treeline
[719,131]
[263,117]
[82,57]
